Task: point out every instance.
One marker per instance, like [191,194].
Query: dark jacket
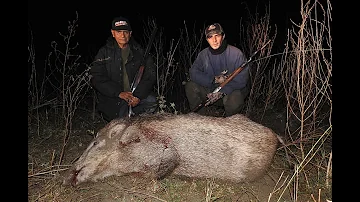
[207,65]
[107,75]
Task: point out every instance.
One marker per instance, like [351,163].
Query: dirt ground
[45,174]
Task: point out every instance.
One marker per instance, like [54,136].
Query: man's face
[215,40]
[122,37]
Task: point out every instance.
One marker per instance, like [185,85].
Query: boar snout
[72,177]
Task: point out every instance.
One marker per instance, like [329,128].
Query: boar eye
[95,143]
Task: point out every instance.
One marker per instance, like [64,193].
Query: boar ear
[130,134]
[115,129]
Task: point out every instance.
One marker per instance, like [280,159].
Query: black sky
[46,19]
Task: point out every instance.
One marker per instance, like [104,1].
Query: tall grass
[265,83]
[306,78]
[66,79]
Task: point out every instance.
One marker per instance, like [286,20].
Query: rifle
[139,74]
[230,77]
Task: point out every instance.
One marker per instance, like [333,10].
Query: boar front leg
[169,161]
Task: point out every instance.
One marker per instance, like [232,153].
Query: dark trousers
[118,108]
[232,103]
[147,105]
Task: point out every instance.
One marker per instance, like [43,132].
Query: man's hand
[129,98]
[221,78]
[213,97]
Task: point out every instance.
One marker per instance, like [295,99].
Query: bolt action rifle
[139,74]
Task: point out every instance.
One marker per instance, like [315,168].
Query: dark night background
[47,19]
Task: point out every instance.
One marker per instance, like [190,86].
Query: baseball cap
[120,23]
[213,29]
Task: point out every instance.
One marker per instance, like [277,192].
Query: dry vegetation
[291,93]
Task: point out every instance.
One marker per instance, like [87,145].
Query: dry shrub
[306,78]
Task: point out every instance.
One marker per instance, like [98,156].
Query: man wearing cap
[211,67]
[114,69]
